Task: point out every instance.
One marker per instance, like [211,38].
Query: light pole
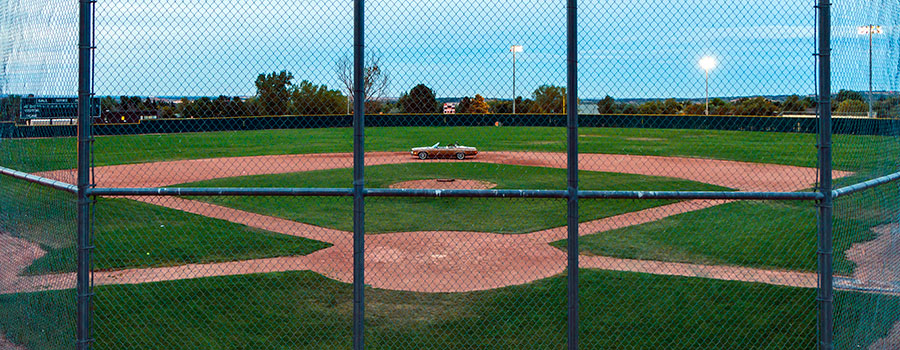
[514,49]
[707,63]
[869,30]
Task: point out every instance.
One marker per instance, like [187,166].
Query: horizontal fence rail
[59,185]
[444,193]
[450,193]
[866,185]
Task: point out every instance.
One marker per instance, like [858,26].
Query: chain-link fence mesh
[37,60]
[226,129]
[865,57]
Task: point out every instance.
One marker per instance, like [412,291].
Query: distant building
[450,107]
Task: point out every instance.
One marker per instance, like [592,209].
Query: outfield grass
[850,153]
[427,214]
[303,310]
[132,234]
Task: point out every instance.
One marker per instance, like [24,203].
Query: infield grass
[303,310]
[763,234]
[457,214]
[779,235]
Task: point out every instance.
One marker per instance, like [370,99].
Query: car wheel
[423,155]
[460,156]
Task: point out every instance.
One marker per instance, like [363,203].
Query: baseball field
[275,272]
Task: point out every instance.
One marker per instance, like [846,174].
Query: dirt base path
[890,341]
[7,345]
[738,175]
[878,269]
[446,261]
[878,261]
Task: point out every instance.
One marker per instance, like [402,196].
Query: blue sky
[628,49]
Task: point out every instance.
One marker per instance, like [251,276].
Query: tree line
[717,106]
[845,102]
[547,99]
[277,94]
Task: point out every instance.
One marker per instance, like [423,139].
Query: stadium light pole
[514,49]
[707,63]
[869,30]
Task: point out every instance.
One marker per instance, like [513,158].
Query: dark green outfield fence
[735,123]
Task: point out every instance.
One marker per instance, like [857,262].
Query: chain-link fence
[216,174]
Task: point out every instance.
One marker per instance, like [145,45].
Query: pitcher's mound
[446,184]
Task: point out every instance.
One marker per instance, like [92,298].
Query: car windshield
[436,145]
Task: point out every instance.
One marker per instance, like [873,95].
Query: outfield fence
[676,218]
[848,126]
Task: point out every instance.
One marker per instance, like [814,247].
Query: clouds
[37,47]
[636,48]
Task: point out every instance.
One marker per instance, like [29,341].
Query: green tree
[373,106]
[669,106]
[390,108]
[108,104]
[607,105]
[755,106]
[650,107]
[524,105]
[183,108]
[204,108]
[420,99]
[888,107]
[10,107]
[131,103]
[852,107]
[718,106]
[794,103]
[222,106]
[150,105]
[166,112]
[464,106]
[845,95]
[695,108]
[672,106]
[500,106]
[505,106]
[237,105]
[479,106]
[549,99]
[251,106]
[628,108]
[310,99]
[274,92]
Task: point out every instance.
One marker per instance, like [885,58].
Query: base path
[444,261]
[7,345]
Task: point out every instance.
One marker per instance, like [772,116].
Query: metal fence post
[359,231]
[825,297]
[572,169]
[83,270]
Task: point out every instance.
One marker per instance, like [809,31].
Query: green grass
[303,310]
[851,152]
[764,234]
[132,234]
[466,214]
[779,235]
